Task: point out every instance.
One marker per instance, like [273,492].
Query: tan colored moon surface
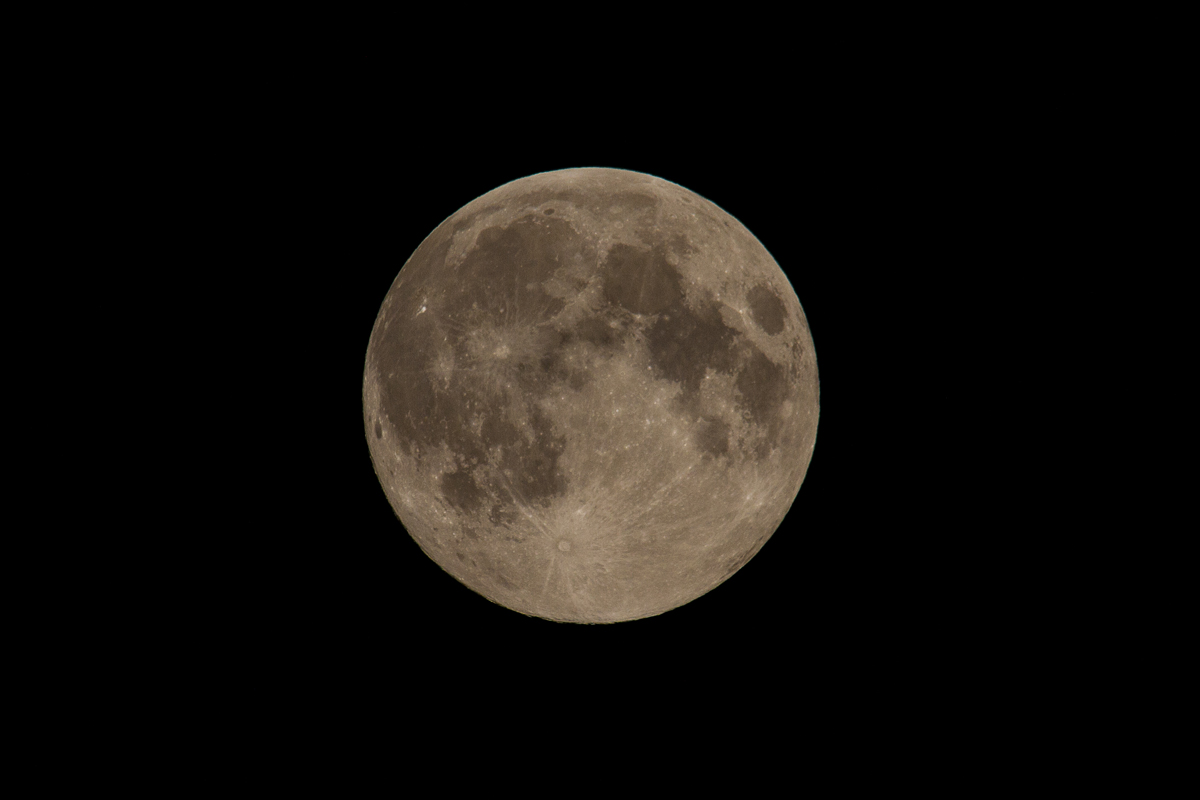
[591,395]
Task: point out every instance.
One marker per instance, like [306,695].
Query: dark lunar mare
[685,342]
[766,309]
[498,284]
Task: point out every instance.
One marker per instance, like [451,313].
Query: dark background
[278,196]
[341,177]
[906,190]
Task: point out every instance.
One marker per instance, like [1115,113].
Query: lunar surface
[591,395]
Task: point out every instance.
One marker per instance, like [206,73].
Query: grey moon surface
[591,395]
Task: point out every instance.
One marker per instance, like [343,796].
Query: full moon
[591,395]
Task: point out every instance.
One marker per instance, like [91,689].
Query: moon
[591,395]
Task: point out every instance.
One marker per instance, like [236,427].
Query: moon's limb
[591,395]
